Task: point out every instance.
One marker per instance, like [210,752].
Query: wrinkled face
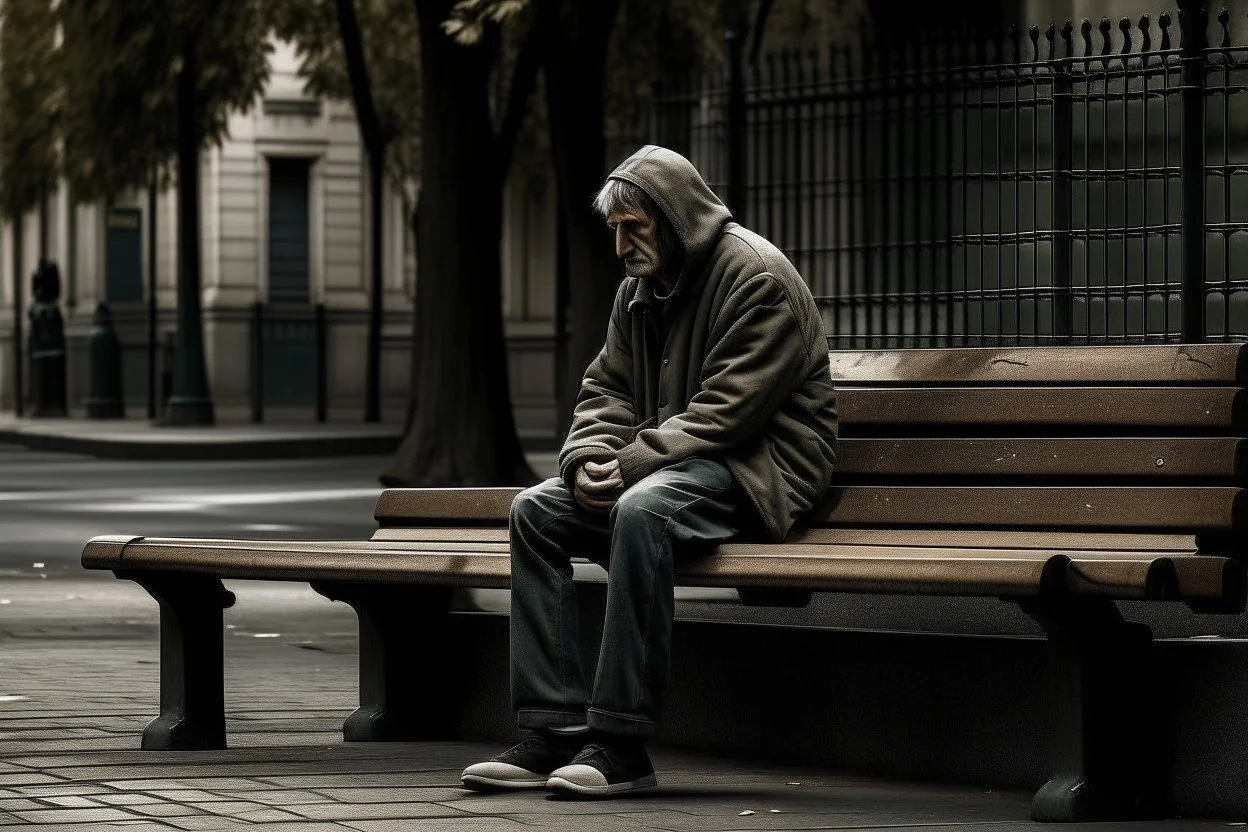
[636,243]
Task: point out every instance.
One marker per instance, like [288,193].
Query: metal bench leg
[403,671]
[1100,713]
[192,664]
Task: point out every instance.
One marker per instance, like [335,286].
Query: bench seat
[469,561]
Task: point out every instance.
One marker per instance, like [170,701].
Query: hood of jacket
[689,204]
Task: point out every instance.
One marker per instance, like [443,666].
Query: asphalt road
[51,503]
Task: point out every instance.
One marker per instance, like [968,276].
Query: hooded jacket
[741,372]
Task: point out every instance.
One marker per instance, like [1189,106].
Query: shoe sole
[559,784]
[488,784]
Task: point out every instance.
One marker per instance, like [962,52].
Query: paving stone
[266,816]
[166,810]
[46,816]
[184,795]
[287,798]
[70,802]
[409,794]
[230,808]
[351,811]
[25,778]
[127,799]
[438,824]
[68,789]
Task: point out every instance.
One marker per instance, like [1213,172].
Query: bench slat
[999,409]
[925,570]
[433,506]
[1195,509]
[937,538]
[1220,458]
[1189,363]
[1176,509]
[999,538]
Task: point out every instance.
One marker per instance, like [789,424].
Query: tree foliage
[120,63]
[388,29]
[30,103]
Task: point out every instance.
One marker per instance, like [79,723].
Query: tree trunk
[191,403]
[375,146]
[575,94]
[463,432]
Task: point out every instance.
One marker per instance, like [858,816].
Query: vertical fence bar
[322,370]
[1192,167]
[735,43]
[1062,192]
[1225,172]
[257,363]
[1145,173]
[950,182]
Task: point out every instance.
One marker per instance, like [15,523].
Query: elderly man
[708,414]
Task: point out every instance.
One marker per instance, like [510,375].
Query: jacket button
[667,361]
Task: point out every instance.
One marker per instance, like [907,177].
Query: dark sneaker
[604,767]
[526,765]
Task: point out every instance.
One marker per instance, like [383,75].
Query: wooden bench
[1059,479]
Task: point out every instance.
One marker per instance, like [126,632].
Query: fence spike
[1105,29]
[1124,26]
[1163,22]
[1033,34]
[1146,40]
[1015,41]
[1224,18]
[1086,30]
[1068,38]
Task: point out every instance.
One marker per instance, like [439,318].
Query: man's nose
[623,246]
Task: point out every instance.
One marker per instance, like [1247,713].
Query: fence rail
[1071,184]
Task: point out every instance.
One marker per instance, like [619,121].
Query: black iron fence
[1073,184]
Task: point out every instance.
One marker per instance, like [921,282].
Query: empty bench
[1058,479]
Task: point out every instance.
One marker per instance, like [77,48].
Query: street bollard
[104,399]
[47,344]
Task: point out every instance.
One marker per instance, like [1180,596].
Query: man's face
[636,242]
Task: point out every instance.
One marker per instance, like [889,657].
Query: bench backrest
[1137,439]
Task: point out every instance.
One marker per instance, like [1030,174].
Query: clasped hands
[599,485]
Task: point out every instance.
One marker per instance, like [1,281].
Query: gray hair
[622,197]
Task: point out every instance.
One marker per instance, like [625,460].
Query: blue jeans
[682,510]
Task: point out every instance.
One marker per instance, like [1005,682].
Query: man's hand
[598,486]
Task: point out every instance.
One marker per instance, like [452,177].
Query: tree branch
[760,26]
[361,87]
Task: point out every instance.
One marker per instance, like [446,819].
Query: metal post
[322,337]
[1193,17]
[735,42]
[257,362]
[1063,164]
[17,314]
[372,375]
[151,300]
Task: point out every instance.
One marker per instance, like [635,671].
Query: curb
[186,451]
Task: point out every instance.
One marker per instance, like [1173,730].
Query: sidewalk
[139,439]
[80,681]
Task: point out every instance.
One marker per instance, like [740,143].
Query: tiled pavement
[78,681]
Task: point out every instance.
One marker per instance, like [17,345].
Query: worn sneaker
[604,767]
[526,765]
